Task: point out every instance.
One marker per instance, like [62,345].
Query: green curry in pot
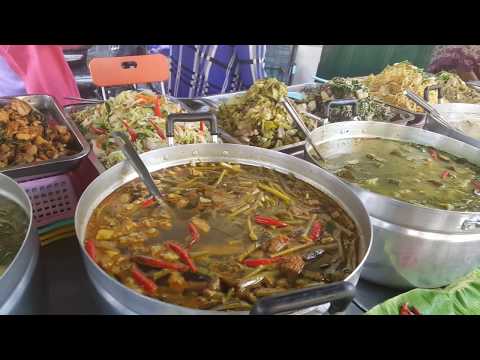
[236,233]
[413,173]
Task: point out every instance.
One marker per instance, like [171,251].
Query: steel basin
[455,113]
[122,300]
[413,246]
[18,290]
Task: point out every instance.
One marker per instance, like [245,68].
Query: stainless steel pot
[414,246]
[455,114]
[18,291]
[123,300]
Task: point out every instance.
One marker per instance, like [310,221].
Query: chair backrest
[129,70]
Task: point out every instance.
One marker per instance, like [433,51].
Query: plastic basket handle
[129,70]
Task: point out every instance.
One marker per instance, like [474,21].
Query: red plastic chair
[129,70]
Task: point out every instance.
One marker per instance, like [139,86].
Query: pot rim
[28,210]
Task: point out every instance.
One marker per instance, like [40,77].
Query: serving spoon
[136,162]
[427,107]
[296,116]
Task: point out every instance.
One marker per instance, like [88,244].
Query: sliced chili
[98,131]
[194,233]
[142,280]
[149,202]
[261,261]
[404,310]
[316,231]
[476,184]
[133,134]
[183,255]
[157,109]
[445,175]
[159,264]
[158,129]
[265,220]
[91,249]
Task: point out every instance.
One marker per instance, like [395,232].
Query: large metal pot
[123,300]
[414,246]
[455,114]
[18,289]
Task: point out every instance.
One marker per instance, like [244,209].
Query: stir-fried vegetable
[143,115]
[258,118]
[221,246]
[318,97]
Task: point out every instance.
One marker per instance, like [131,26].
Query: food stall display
[247,222]
[141,114]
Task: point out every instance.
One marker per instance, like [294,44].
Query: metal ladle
[296,116]
[136,162]
[427,107]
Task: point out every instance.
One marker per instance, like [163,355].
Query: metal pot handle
[353,102]
[192,117]
[339,294]
[438,88]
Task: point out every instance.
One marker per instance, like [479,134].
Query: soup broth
[234,233]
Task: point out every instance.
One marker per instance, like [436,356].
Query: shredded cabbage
[136,109]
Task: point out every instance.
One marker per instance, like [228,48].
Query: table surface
[69,290]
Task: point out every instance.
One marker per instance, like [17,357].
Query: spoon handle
[294,114]
[132,156]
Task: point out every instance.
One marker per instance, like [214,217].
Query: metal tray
[70,109]
[53,113]
[213,101]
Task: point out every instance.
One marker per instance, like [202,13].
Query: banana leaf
[459,298]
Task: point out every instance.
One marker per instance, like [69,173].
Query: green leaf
[460,298]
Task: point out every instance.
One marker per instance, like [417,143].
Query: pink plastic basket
[53,198]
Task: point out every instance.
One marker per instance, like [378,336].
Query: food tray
[53,113]
[292,149]
[93,159]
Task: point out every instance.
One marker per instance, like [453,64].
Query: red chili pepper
[159,264]
[445,175]
[262,261]
[194,234]
[91,249]
[476,184]
[133,134]
[316,231]
[142,280]
[158,129]
[202,126]
[433,154]
[149,202]
[156,109]
[264,220]
[98,131]
[415,311]
[183,255]
[404,310]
